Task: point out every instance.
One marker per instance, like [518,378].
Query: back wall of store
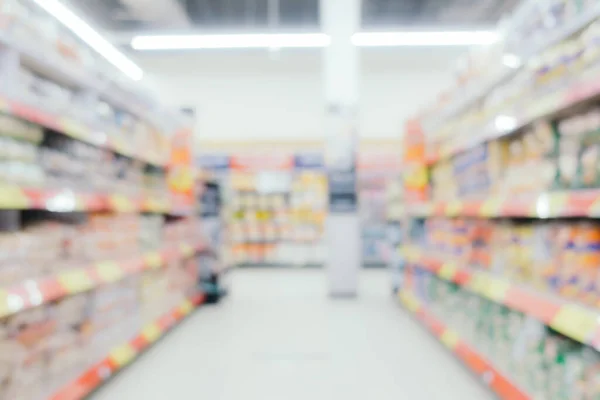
[247,95]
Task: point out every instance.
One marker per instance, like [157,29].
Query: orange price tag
[575,322]
[122,355]
[110,271]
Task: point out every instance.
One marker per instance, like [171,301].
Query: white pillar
[340,19]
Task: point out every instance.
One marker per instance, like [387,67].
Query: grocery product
[544,363]
[283,228]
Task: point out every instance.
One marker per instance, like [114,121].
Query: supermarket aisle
[280,337]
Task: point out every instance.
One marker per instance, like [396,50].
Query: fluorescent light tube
[376,39]
[230,41]
[86,33]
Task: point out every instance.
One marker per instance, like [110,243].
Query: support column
[340,19]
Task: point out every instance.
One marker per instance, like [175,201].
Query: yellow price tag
[594,210]
[4,105]
[186,307]
[491,207]
[119,143]
[122,355]
[121,203]
[476,282]
[5,307]
[454,208]
[557,203]
[153,260]
[448,271]
[12,197]
[155,205]
[409,301]
[575,322]
[76,281]
[186,249]
[73,129]
[151,333]
[450,339]
[496,289]
[411,253]
[110,271]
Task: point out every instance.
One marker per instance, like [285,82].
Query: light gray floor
[279,337]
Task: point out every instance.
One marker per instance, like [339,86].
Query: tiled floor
[279,337]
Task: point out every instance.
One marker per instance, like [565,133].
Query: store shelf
[575,92]
[36,292]
[123,355]
[72,128]
[580,203]
[488,373]
[13,197]
[571,319]
[581,90]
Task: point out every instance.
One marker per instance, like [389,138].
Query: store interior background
[279,96]
[423,324]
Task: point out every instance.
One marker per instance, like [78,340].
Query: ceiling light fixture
[86,33]
[408,38]
[230,41]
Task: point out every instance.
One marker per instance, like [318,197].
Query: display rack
[98,226]
[274,205]
[125,354]
[489,374]
[501,187]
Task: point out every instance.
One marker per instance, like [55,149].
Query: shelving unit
[489,374]
[502,192]
[99,230]
[125,354]
[274,209]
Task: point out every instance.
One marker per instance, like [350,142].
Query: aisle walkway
[278,337]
